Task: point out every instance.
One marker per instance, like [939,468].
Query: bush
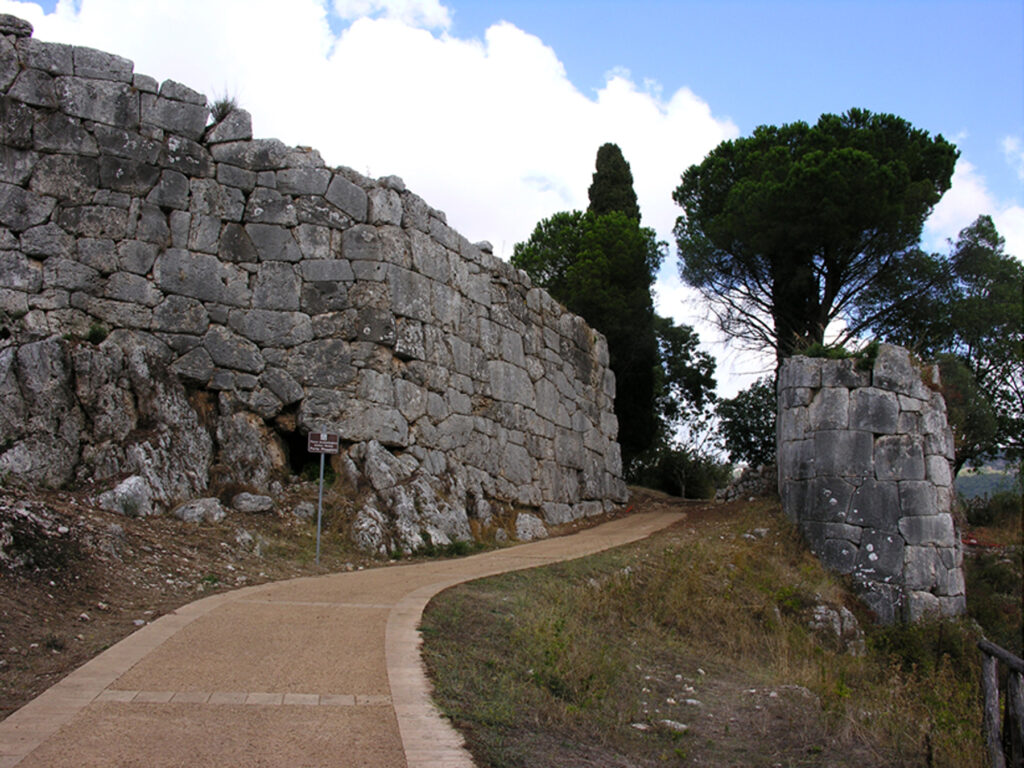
[97,333]
[682,473]
[993,510]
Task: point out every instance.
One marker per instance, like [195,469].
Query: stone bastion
[181,304]
[864,469]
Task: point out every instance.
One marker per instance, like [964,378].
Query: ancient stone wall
[864,468]
[276,296]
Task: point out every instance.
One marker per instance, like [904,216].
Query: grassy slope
[694,648]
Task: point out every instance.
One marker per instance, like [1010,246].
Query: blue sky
[493,111]
[955,68]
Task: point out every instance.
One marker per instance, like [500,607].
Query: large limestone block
[843,453]
[229,350]
[830,409]
[201,276]
[255,155]
[101,65]
[800,372]
[237,126]
[322,363]
[21,209]
[934,530]
[269,328]
[102,101]
[268,206]
[348,197]
[899,457]
[875,505]
[180,314]
[278,286]
[874,410]
[273,243]
[188,120]
[881,556]
[19,273]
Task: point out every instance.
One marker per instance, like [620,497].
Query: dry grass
[582,663]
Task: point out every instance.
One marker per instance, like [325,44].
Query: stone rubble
[182,303]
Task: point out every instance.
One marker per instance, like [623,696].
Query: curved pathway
[319,671]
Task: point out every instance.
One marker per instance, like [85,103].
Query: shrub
[682,473]
[222,107]
[97,333]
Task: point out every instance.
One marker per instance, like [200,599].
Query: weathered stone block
[237,126]
[875,505]
[921,567]
[201,276]
[874,410]
[881,556]
[272,243]
[935,530]
[172,191]
[303,181]
[800,372]
[88,62]
[828,500]
[236,245]
[21,209]
[186,156]
[899,457]
[322,363]
[94,221]
[229,350]
[348,197]
[829,409]
[102,101]
[843,453]
[893,370]
[19,273]
[917,498]
[278,286]
[255,155]
[32,86]
[272,329]
[180,314]
[268,206]
[124,286]
[17,121]
[47,240]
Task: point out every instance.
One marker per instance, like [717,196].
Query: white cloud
[968,198]
[1013,149]
[428,14]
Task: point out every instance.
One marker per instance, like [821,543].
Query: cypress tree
[612,186]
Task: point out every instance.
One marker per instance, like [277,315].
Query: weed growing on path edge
[694,647]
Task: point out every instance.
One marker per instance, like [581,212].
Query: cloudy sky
[493,110]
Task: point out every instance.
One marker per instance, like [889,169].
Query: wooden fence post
[1006,741]
[991,718]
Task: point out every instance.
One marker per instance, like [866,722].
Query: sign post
[322,443]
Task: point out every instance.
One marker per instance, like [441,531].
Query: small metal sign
[322,442]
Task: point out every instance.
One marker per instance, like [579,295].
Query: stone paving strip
[143,701]
[254,698]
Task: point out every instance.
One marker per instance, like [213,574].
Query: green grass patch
[696,646]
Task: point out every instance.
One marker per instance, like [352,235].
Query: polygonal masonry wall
[864,469]
[251,294]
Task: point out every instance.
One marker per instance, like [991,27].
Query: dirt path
[321,671]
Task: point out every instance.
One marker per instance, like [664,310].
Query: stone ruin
[180,304]
[864,469]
